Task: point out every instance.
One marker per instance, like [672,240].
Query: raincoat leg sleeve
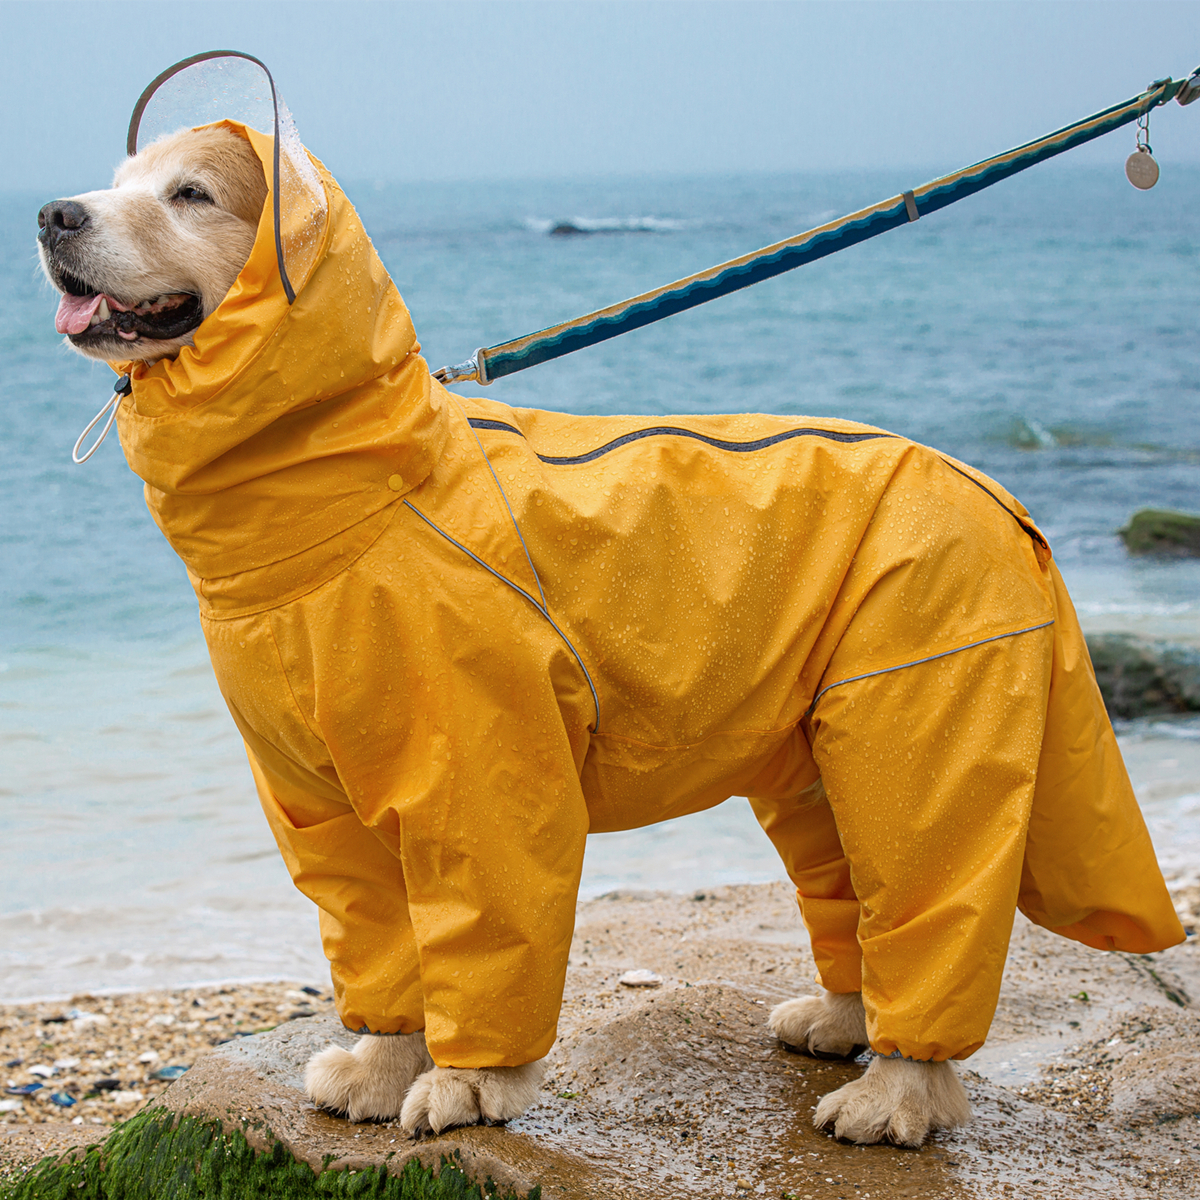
[492,861]
[930,773]
[803,830]
[358,886]
[1090,872]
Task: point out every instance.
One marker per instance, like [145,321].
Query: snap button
[395,482]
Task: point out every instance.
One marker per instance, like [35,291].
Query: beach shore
[1086,1086]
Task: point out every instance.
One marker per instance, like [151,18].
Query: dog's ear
[242,186]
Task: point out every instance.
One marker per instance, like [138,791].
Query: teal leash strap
[493,362]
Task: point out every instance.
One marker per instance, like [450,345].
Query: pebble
[108,1056]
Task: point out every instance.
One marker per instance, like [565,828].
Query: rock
[1159,1084]
[640,978]
[1160,531]
[680,1092]
[1138,677]
[254,1085]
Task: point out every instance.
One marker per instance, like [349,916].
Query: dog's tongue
[75,313]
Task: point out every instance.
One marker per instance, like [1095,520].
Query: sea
[1047,331]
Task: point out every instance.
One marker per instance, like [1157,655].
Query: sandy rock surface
[1086,1088]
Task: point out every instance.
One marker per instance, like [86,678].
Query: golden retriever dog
[139,266]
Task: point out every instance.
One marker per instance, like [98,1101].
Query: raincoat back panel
[709,587]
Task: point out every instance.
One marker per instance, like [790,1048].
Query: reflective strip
[916,662]
[718,443]
[1029,529]
[484,423]
[512,517]
[520,591]
[556,460]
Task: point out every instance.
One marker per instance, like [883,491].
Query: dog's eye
[189,191]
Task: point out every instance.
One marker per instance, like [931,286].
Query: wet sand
[1088,1087]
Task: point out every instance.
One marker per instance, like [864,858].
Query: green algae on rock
[1160,531]
[157,1154]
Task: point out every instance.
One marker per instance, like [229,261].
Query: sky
[445,91]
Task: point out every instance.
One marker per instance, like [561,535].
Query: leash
[493,362]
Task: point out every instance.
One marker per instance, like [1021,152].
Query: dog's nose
[60,219]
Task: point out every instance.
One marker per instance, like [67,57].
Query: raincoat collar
[285,425]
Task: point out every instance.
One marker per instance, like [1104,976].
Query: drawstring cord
[121,389]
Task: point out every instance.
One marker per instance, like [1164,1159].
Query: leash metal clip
[1191,88]
[474,370]
[122,389]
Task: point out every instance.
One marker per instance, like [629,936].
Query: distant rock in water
[571,229]
[586,226]
[1159,531]
[1139,677]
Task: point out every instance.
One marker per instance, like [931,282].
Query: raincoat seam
[275,605]
[522,592]
[288,681]
[916,662]
[1030,529]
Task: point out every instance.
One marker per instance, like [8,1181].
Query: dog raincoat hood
[456,637]
[267,387]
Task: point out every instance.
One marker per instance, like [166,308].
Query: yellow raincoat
[457,636]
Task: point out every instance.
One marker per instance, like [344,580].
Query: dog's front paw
[833,1025]
[896,1101]
[449,1096]
[370,1081]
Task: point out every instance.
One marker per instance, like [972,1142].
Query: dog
[902,687]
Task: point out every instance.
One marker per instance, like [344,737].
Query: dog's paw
[370,1081]
[832,1025]
[449,1096]
[896,1101]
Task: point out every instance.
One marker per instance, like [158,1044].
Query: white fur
[830,1025]
[370,1081]
[450,1096]
[896,1101]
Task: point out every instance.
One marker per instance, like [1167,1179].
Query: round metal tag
[1141,170]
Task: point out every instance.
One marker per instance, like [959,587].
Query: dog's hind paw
[896,1101]
[832,1025]
[370,1081]
[449,1096]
